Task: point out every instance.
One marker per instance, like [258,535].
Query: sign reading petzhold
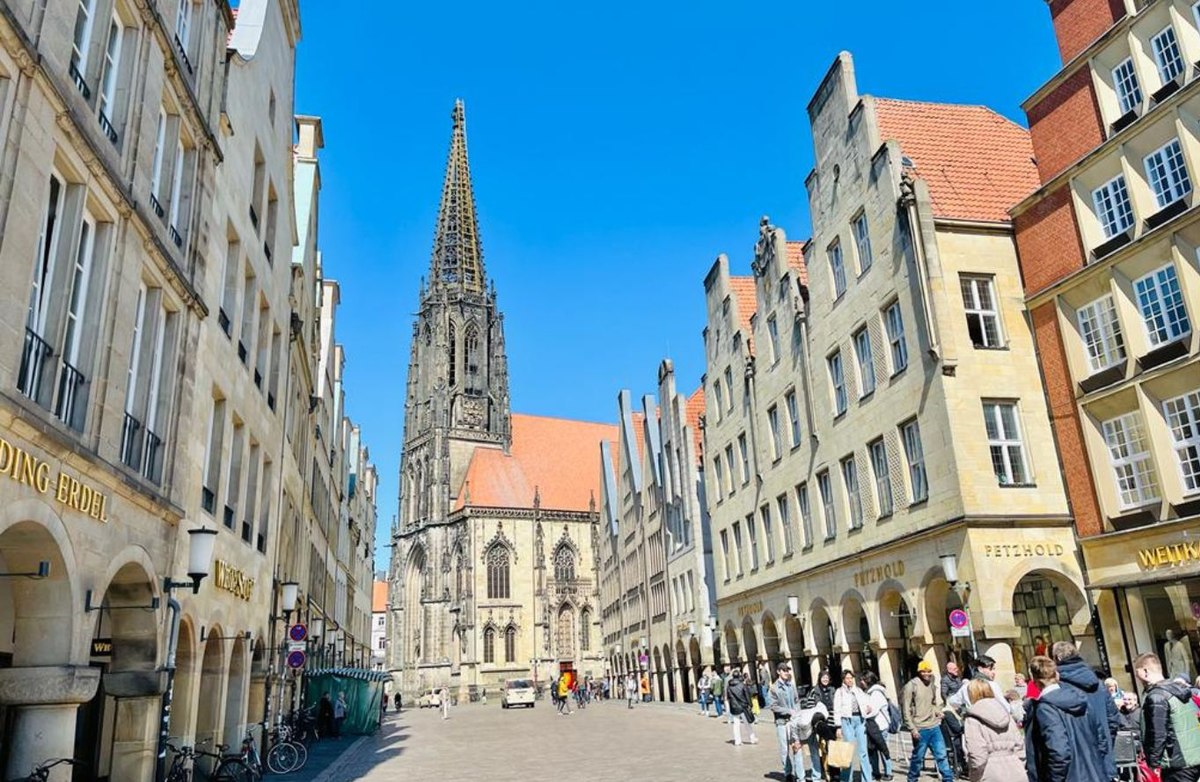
[27,469]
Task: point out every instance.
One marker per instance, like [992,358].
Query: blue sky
[616,150]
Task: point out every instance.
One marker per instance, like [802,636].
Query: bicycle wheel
[233,770]
[301,755]
[282,758]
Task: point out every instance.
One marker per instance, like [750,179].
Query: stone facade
[873,404]
[1108,247]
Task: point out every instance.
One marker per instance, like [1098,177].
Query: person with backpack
[879,726]
[1074,673]
[1170,731]
[1060,745]
[782,702]
[995,746]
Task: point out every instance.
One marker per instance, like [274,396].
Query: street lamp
[291,591]
[950,567]
[793,605]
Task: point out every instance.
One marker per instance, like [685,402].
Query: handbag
[841,753]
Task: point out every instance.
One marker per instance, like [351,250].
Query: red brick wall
[1064,418]
[1048,244]
[1079,22]
[1065,125]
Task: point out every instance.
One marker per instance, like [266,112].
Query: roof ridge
[565,418]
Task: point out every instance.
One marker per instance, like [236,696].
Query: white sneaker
[737,742]
[754,739]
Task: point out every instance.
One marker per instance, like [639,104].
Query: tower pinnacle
[457,253]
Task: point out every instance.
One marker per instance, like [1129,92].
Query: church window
[510,644]
[471,350]
[458,577]
[497,573]
[585,630]
[564,564]
[489,645]
[566,631]
[428,336]
[453,356]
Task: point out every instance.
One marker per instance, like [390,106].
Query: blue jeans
[704,701]
[931,739]
[792,763]
[854,730]
[719,702]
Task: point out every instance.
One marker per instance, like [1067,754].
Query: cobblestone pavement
[605,742]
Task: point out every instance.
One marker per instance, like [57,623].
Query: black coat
[825,694]
[738,697]
[1074,674]
[1060,742]
[1158,735]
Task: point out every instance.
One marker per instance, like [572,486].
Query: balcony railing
[229,517]
[109,130]
[208,499]
[187,62]
[152,452]
[131,442]
[72,399]
[80,82]
[175,237]
[35,359]
[223,320]
[156,206]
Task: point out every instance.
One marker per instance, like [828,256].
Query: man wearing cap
[782,701]
[921,715]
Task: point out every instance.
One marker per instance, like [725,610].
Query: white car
[431,699]
[517,692]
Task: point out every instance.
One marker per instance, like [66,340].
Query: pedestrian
[738,693]
[1060,742]
[563,690]
[951,681]
[644,687]
[878,726]
[921,715]
[783,702]
[339,714]
[444,699]
[704,691]
[851,710]
[396,701]
[631,689]
[825,688]
[995,746]
[325,715]
[1021,685]
[1129,713]
[985,670]
[383,704]
[1116,693]
[717,684]
[763,679]
[803,731]
[1074,674]
[1170,732]
[1016,707]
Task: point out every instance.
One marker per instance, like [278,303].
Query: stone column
[889,668]
[45,702]
[135,738]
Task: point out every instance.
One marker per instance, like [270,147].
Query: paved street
[604,742]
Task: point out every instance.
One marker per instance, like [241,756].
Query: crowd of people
[1060,722]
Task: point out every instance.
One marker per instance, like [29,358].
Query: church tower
[457,392]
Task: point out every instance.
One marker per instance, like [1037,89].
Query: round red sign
[958,618]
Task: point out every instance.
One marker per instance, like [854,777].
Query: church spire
[457,252]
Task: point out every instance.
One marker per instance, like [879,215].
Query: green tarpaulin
[363,689]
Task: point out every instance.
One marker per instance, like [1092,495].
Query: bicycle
[42,773]
[286,754]
[228,768]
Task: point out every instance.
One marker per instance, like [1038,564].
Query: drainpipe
[164,731]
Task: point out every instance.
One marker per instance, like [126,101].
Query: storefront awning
[363,674]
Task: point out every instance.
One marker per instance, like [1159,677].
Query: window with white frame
[1166,54]
[81,42]
[1161,303]
[156,164]
[1129,454]
[719,396]
[1101,332]
[785,523]
[1183,419]
[773,333]
[793,417]
[725,554]
[827,507]
[866,362]
[893,322]
[717,477]
[176,192]
[729,386]
[883,477]
[853,495]
[837,268]
[1004,441]
[1125,82]
[914,454]
[776,435]
[764,514]
[1113,206]
[744,451]
[108,78]
[862,241]
[1168,174]
[837,382]
[806,528]
[983,317]
[737,546]
[183,24]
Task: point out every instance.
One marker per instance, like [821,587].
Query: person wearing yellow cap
[921,715]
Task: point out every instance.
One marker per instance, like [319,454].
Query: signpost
[295,658]
[960,627]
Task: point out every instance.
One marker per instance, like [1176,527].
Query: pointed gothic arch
[415,642]
[564,563]
[499,576]
[585,629]
[565,630]
[489,644]
[471,356]
[510,643]
[452,339]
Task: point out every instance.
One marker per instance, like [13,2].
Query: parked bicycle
[286,753]
[227,768]
[42,773]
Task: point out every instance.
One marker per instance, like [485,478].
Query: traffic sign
[959,619]
[295,659]
[297,632]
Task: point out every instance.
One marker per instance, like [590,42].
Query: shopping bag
[754,704]
[1145,773]
[841,753]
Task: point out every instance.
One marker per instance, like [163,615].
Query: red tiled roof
[639,434]
[977,163]
[556,457]
[747,303]
[379,597]
[229,35]
[695,408]
[795,261]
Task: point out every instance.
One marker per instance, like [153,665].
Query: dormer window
[1113,206]
[1166,54]
[1125,81]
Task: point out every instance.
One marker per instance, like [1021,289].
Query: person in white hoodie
[877,727]
[851,710]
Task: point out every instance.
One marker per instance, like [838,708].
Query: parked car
[431,699]
[517,692]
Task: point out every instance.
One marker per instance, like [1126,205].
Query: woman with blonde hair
[994,744]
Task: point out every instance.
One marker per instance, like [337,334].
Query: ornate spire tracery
[457,252]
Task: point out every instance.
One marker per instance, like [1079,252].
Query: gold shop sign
[1169,556]
[749,609]
[28,470]
[1010,550]
[233,580]
[874,575]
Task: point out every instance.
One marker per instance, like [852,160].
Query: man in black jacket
[1167,748]
[1074,674]
[1059,743]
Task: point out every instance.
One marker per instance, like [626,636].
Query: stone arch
[668,672]
[1047,606]
[824,638]
[856,632]
[31,533]
[183,705]
[771,640]
[658,674]
[413,646]
[212,688]
[235,694]
[258,680]
[564,635]
[751,648]
[687,673]
[900,649]
[793,633]
[733,651]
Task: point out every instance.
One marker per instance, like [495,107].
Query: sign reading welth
[1169,556]
[232,580]
[28,470]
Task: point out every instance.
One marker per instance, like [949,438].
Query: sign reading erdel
[25,468]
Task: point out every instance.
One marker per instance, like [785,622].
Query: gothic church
[494,572]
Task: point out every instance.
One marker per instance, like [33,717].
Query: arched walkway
[860,656]
[898,661]
[733,652]
[212,688]
[235,696]
[794,634]
[183,705]
[824,642]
